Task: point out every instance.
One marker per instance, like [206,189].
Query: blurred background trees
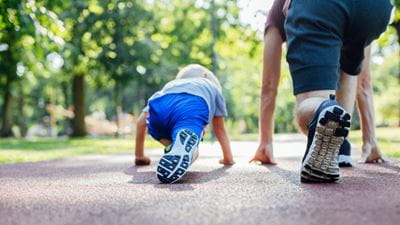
[78,67]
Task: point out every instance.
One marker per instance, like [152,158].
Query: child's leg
[182,152]
[159,120]
[192,117]
[194,125]
[190,131]
[187,121]
[165,141]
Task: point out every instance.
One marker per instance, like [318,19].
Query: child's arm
[223,139]
[141,129]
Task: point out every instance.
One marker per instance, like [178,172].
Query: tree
[396,26]
[28,27]
[214,32]
[78,17]
[124,37]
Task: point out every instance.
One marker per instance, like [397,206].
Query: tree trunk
[78,97]
[67,123]
[21,115]
[6,122]
[214,32]
[53,113]
[10,67]
[64,88]
[118,108]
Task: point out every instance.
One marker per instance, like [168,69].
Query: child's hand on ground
[264,155]
[227,162]
[142,161]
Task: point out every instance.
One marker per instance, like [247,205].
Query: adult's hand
[371,154]
[264,154]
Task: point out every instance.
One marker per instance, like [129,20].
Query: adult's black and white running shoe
[327,131]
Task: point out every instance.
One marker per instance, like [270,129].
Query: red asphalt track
[109,190]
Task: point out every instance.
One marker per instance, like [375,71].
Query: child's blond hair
[197,71]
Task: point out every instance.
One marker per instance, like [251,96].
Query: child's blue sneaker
[327,131]
[176,161]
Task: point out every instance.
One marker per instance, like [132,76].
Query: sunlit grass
[388,140]
[16,150]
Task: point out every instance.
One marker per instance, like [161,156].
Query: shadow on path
[392,164]
[62,168]
[363,175]
[191,177]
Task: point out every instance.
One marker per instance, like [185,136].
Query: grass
[388,140]
[17,150]
[235,137]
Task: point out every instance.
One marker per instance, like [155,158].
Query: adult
[320,43]
[274,37]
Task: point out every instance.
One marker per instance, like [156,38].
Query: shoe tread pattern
[172,167]
[322,165]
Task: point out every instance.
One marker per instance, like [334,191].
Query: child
[177,116]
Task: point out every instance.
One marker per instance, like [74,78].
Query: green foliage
[386,89]
[388,139]
[396,3]
[28,32]
[128,49]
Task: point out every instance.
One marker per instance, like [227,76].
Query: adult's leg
[306,104]
[317,40]
[314,48]
[370,149]
[346,94]
[326,124]
[313,53]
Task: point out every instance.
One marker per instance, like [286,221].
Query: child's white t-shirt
[199,87]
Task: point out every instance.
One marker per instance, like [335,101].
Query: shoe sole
[174,165]
[306,177]
[345,161]
[320,163]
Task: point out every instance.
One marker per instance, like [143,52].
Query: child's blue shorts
[173,112]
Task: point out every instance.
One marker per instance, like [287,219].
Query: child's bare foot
[264,155]
[227,162]
[371,154]
[142,161]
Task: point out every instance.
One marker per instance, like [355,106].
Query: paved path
[108,190]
